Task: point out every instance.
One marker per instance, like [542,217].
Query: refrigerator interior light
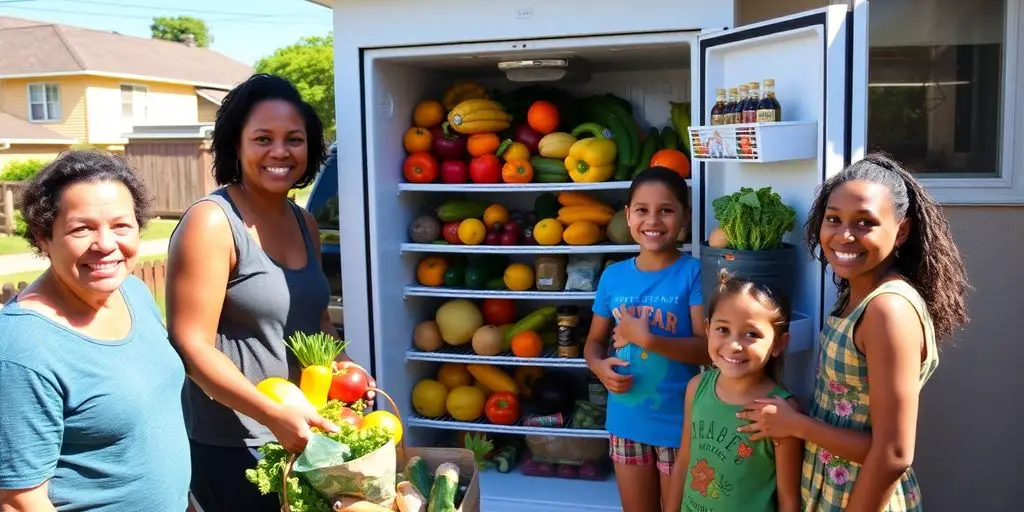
[534,70]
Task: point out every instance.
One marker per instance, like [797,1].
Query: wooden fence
[153,273]
[10,200]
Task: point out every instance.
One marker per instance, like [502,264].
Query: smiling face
[859,230]
[273,149]
[95,238]
[741,335]
[655,217]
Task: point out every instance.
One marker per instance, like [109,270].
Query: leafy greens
[754,220]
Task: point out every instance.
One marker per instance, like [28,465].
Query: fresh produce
[448,145]
[549,170]
[453,375]
[446,484]
[573,198]
[427,336]
[417,474]
[651,145]
[455,275]
[718,239]
[535,321]
[548,232]
[525,377]
[430,271]
[591,160]
[543,116]
[316,353]
[347,505]
[502,408]
[517,171]
[284,392]
[454,171]
[528,137]
[484,143]
[527,344]
[582,233]
[753,220]
[349,382]
[618,231]
[600,215]
[460,209]
[462,91]
[457,320]
[417,140]
[681,123]
[386,421]
[480,445]
[450,232]
[554,393]
[350,417]
[608,112]
[492,377]
[472,231]
[420,167]
[478,116]
[465,403]
[427,114]
[428,398]
[269,471]
[487,340]
[424,229]
[409,498]
[519,277]
[545,206]
[498,311]
[672,159]
[669,138]
[556,145]
[485,169]
[510,151]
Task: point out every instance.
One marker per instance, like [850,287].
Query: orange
[672,159]
[516,151]
[430,271]
[453,375]
[543,117]
[519,277]
[480,144]
[417,139]
[527,344]
[548,232]
[494,214]
[472,231]
[427,114]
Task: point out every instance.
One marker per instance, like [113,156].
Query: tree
[175,28]
[309,65]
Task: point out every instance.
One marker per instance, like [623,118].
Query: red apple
[493,238]
[454,171]
[450,232]
[510,238]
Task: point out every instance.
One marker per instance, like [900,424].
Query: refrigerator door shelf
[466,293]
[464,354]
[512,187]
[526,249]
[755,142]
[482,425]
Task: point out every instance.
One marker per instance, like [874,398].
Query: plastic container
[773,267]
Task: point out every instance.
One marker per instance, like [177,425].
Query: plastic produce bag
[583,271]
[371,477]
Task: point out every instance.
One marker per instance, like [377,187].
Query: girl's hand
[770,418]
[291,426]
[605,371]
[630,329]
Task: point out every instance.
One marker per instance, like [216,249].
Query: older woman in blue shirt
[90,407]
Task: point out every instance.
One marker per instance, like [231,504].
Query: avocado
[476,276]
[546,206]
[618,230]
[455,276]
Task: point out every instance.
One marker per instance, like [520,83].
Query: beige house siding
[165,104]
[73,111]
[207,110]
[30,152]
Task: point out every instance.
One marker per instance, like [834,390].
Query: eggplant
[528,137]
[447,144]
[554,392]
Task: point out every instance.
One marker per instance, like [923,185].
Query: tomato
[502,408]
[385,420]
[420,167]
[485,169]
[350,417]
[498,311]
[349,383]
[517,171]
[417,139]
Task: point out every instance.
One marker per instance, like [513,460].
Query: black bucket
[773,267]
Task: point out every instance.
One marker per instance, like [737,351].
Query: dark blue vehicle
[323,204]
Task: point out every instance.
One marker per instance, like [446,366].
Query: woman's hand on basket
[291,426]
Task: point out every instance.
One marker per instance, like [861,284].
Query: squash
[572,198]
[418,474]
[598,215]
[410,499]
[446,484]
[555,145]
[492,377]
[582,233]
[478,116]
[462,91]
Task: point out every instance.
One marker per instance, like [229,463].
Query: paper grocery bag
[371,477]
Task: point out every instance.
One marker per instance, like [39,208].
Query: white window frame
[135,88]
[1007,186]
[46,117]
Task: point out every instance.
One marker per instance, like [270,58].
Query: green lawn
[158,229]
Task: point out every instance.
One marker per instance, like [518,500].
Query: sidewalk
[27,262]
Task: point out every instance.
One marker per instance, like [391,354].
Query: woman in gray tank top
[243,275]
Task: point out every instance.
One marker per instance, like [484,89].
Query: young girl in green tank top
[720,469]
[901,288]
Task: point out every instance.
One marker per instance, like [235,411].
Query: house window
[43,102]
[134,108]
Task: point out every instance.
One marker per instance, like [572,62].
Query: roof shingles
[13,129]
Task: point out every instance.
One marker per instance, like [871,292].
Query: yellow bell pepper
[591,160]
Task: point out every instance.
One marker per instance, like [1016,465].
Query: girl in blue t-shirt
[650,306]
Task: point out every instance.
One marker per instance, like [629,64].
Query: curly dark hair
[234,112]
[929,259]
[41,198]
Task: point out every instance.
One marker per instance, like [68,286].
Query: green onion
[319,349]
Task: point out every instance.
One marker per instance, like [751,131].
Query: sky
[244,30]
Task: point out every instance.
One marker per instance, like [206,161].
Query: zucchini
[543,177]
[409,498]
[461,209]
[418,474]
[446,484]
[599,110]
[618,107]
[650,147]
[669,138]
[532,322]
[495,283]
[546,165]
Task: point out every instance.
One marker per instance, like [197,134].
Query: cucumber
[544,177]
[614,104]
[495,283]
[599,110]
[418,474]
[446,484]
[651,145]
[669,138]
[594,129]
[532,322]
[546,165]
[461,209]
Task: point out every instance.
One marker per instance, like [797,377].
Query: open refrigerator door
[797,124]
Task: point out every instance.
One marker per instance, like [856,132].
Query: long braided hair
[929,259]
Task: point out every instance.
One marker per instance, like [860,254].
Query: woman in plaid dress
[901,287]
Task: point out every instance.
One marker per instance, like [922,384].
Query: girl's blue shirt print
[651,411]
